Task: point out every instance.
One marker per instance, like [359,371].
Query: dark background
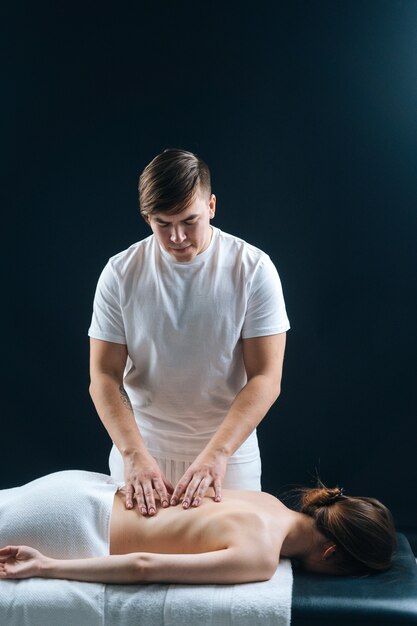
[306,113]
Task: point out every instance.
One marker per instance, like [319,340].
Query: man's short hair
[170,181]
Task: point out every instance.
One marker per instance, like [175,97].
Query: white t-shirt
[183,325]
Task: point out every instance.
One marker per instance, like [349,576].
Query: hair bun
[319,497]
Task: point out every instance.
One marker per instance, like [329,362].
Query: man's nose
[177,234]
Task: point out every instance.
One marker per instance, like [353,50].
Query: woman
[79,521]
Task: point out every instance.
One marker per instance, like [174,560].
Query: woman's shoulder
[259,511]
[257,497]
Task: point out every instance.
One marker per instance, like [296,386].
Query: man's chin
[182,254]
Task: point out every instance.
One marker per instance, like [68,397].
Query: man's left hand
[207,470]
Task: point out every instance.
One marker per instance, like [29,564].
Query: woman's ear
[328,552]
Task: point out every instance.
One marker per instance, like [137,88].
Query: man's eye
[190,223]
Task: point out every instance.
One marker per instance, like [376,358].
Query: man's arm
[142,474]
[230,565]
[263,358]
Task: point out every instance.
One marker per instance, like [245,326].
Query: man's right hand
[143,478]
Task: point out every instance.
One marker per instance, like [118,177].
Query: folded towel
[265,603]
[46,602]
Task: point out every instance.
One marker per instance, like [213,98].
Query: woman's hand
[20,562]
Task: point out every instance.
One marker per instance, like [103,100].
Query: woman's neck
[302,537]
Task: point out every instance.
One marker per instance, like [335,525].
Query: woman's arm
[231,565]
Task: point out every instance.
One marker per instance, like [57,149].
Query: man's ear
[328,552]
[212,206]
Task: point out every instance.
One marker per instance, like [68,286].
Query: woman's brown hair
[170,181]
[361,528]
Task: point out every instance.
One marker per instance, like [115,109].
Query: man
[187,345]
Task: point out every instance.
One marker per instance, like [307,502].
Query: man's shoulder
[125,259]
[239,246]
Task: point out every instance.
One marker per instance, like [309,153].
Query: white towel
[265,603]
[47,602]
[44,602]
[62,514]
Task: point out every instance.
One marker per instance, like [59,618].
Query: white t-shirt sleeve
[107,321]
[265,314]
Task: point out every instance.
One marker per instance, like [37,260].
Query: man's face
[186,234]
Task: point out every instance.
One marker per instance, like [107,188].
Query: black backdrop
[306,113]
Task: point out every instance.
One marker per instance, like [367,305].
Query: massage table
[386,599]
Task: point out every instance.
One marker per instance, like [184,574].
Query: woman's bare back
[211,526]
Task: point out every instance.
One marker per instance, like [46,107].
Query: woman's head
[361,530]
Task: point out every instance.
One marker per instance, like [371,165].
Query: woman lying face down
[74,525]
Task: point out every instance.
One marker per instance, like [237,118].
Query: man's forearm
[263,358]
[115,410]
[142,474]
[246,412]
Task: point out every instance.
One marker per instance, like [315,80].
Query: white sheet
[45,602]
